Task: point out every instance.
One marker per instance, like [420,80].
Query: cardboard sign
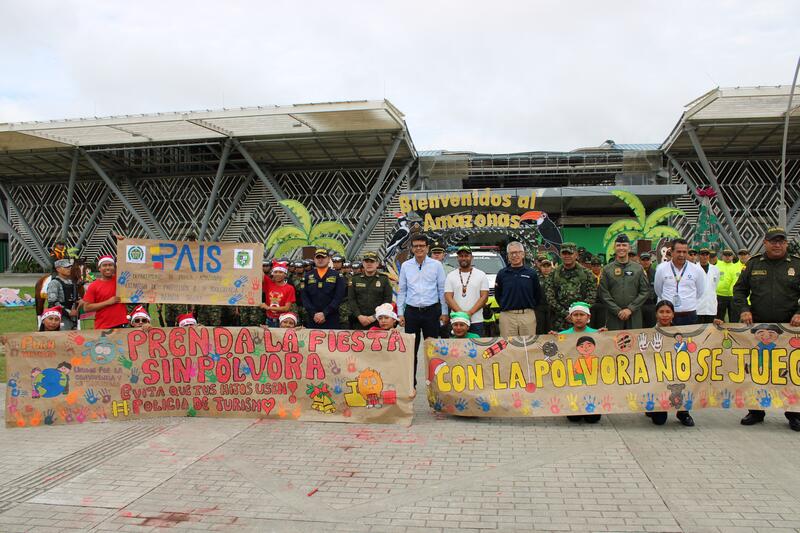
[123,374]
[680,368]
[210,273]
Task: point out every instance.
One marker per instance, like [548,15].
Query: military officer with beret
[323,294]
[771,281]
[367,291]
[623,288]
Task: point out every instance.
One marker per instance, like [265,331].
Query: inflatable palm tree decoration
[644,226]
[289,238]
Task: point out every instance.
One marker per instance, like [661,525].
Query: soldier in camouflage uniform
[542,310]
[252,315]
[209,315]
[345,319]
[298,280]
[569,282]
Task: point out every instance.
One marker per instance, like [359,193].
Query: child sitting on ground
[460,322]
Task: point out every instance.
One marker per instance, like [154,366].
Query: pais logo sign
[242,259]
[135,253]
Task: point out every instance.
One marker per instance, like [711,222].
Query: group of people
[630,292]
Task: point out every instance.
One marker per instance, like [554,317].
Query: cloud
[494,77]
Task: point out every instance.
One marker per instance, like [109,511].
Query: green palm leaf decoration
[329,227]
[634,203]
[659,215]
[644,226]
[300,212]
[287,239]
[283,234]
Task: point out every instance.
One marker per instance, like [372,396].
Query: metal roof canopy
[553,199]
[738,121]
[303,135]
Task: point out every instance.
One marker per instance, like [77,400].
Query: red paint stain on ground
[166,519]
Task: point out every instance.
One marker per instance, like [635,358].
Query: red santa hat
[434,366]
[139,312]
[56,310]
[280,266]
[105,259]
[284,316]
[186,319]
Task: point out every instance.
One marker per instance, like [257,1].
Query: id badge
[319,285]
[677,300]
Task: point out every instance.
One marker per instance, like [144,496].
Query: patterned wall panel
[750,189]
[179,203]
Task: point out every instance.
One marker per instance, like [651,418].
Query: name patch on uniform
[378,283]
[628,273]
[361,284]
[331,279]
[759,273]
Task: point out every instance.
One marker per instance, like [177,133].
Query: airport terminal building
[219,175]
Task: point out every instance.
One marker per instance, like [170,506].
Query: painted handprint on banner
[122,279]
[658,341]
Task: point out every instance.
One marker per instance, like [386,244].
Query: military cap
[541,257]
[705,251]
[437,247]
[693,251]
[766,327]
[644,255]
[622,237]
[63,263]
[742,251]
[369,256]
[596,260]
[546,262]
[727,251]
[775,232]
[569,247]
[320,252]
[713,253]
[297,264]
[307,262]
[266,261]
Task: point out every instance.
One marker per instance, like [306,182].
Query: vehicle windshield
[490,264]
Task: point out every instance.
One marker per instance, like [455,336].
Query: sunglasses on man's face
[140,321]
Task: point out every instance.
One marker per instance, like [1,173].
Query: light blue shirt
[420,284]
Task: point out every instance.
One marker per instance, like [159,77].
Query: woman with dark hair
[51,319]
[665,313]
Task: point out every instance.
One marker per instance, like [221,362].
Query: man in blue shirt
[518,291]
[420,296]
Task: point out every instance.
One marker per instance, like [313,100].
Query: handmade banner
[669,369]
[123,374]
[189,272]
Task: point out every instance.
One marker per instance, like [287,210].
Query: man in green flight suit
[367,291]
[569,282]
[623,288]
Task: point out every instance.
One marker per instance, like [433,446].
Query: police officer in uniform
[367,291]
[323,294]
[299,283]
[772,283]
[623,288]
[345,318]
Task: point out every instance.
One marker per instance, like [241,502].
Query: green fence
[4,256]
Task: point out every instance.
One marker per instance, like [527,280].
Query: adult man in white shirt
[466,289]
[707,306]
[682,283]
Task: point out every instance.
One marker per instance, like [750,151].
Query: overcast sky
[486,76]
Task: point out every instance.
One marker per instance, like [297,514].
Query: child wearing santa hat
[51,319]
[140,318]
[279,294]
[288,320]
[186,320]
[102,300]
[386,317]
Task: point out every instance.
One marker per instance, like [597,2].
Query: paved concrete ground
[442,474]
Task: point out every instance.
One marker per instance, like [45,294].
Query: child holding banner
[460,322]
[579,314]
[51,319]
[665,312]
[279,294]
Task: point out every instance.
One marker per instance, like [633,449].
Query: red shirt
[278,294]
[114,315]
